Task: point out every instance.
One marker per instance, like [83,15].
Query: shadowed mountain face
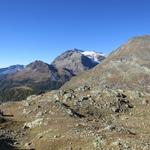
[127,67]
[38,77]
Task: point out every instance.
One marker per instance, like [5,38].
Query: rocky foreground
[84,118]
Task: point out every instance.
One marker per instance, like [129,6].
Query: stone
[1,112]
[26,104]
[122,104]
[34,124]
[84,88]
[83,98]
[110,127]
[68,95]
[40,137]
[145,102]
[121,95]
[69,148]
[32,97]
[16,143]
[39,114]
[56,97]
[99,142]
[2,120]
[27,144]
[70,112]
[26,112]
[121,144]
[66,108]
[57,136]
[116,143]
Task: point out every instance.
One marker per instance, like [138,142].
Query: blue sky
[42,29]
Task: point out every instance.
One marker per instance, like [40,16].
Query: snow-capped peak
[95,56]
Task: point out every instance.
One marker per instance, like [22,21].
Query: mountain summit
[77,60]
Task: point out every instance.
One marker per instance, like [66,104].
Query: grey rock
[84,98]
[99,142]
[121,105]
[34,124]
[68,95]
[84,88]
[39,114]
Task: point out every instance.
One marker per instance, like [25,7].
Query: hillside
[128,67]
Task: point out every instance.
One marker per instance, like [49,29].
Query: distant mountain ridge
[38,77]
[11,69]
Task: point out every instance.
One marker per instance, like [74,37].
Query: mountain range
[17,82]
[11,69]
[106,107]
[103,108]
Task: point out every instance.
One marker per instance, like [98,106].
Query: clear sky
[42,29]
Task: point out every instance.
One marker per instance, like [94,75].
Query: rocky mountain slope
[101,109]
[128,67]
[11,69]
[38,77]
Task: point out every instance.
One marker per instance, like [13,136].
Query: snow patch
[95,56]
